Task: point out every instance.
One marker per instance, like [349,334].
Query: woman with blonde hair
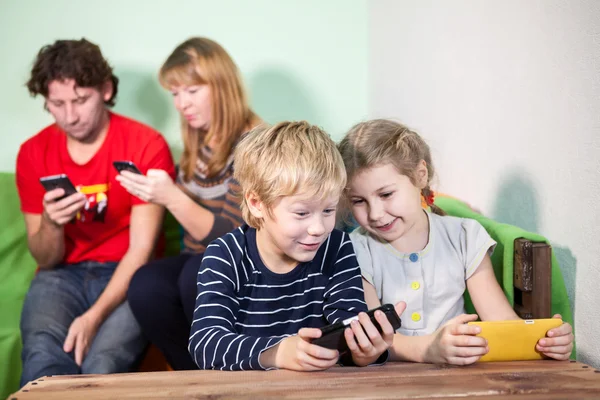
[208,93]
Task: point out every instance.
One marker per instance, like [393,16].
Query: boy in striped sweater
[265,288]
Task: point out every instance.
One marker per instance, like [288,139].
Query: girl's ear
[422,175]
[256,207]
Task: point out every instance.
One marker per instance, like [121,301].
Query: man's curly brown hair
[80,60]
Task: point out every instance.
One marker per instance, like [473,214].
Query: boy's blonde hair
[381,141]
[284,160]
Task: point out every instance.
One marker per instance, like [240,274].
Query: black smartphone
[126,166]
[58,181]
[332,336]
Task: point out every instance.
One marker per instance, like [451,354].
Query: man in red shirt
[88,245]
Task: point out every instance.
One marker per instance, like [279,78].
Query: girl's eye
[356,201]
[386,194]
[329,211]
[301,213]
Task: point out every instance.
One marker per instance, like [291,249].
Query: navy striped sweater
[243,308]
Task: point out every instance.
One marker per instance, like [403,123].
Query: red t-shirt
[100,232]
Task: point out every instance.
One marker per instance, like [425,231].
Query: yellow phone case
[514,340]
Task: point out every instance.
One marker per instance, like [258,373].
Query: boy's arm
[343,299]
[214,341]
[344,296]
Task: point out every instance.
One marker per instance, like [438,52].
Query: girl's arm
[492,305]
[453,343]
[487,295]
[404,348]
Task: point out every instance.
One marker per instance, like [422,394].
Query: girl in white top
[424,258]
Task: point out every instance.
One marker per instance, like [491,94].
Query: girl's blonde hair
[201,61]
[287,159]
[381,141]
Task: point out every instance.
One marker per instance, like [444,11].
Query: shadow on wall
[276,95]
[517,204]
[141,97]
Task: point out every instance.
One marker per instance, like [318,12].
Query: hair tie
[429,199]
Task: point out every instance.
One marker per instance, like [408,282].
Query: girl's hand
[559,343]
[364,340]
[298,354]
[156,187]
[455,342]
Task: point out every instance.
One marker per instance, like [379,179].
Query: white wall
[508,95]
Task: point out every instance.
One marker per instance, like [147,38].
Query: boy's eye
[81,100]
[329,211]
[301,213]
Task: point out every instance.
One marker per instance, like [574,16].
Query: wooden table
[515,380]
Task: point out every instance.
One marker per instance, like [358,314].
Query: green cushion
[17,268]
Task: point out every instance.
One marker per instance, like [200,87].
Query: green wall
[301,59]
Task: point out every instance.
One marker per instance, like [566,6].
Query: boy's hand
[364,340]
[559,343]
[455,342]
[298,354]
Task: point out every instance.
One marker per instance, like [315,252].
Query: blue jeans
[58,296]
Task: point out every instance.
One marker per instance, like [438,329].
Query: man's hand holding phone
[62,201]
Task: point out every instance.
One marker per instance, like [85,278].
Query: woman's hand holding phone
[156,187]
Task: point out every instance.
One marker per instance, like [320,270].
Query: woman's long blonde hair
[201,61]
[381,141]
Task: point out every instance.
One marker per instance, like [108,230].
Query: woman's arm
[158,187]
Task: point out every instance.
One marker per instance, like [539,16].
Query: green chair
[524,265]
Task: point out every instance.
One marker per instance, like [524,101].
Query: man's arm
[145,223]
[46,240]
[45,232]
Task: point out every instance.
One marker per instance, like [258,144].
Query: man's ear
[107,90]
[422,175]
[256,207]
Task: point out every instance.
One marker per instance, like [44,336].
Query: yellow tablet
[514,340]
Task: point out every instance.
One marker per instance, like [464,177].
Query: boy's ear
[422,175]
[256,207]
